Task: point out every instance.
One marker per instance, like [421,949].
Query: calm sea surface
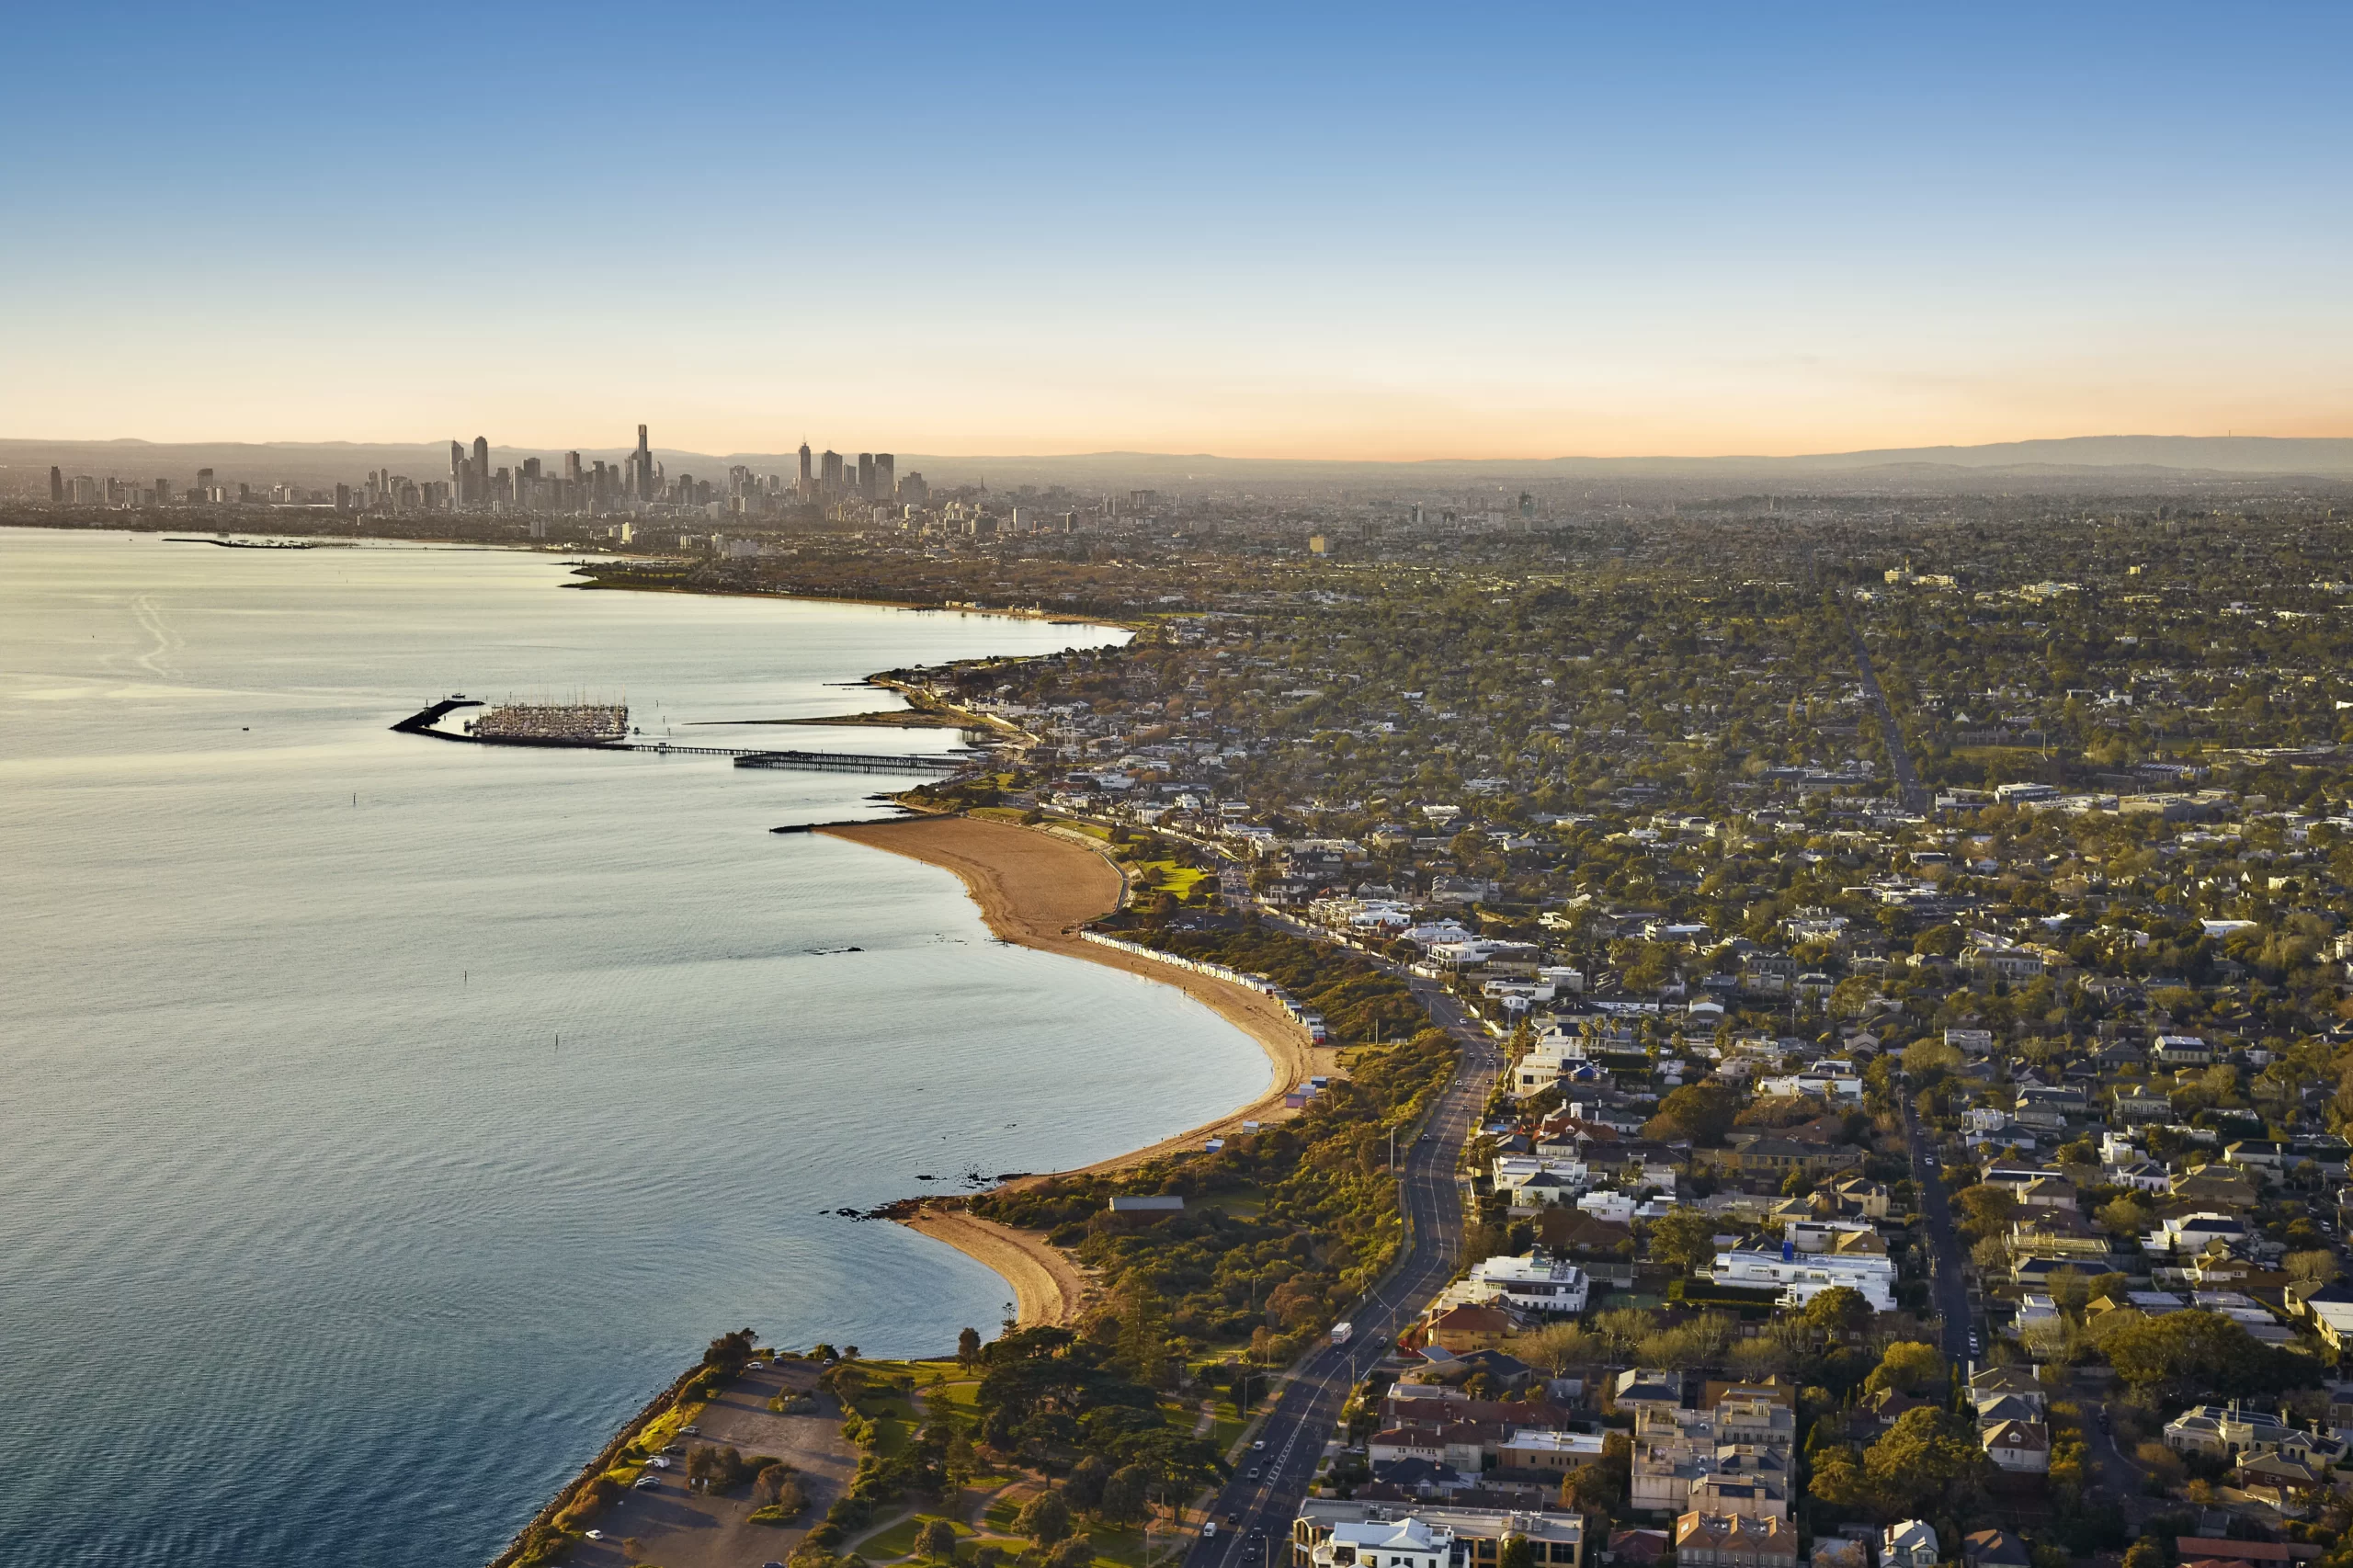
[315,1244]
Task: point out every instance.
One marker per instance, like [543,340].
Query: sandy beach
[1040,889]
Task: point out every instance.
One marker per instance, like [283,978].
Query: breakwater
[427,722]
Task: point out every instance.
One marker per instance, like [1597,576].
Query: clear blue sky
[1317,231]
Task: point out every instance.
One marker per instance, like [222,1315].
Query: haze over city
[1327,232]
[1032,786]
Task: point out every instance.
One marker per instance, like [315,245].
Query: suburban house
[1909,1543]
[1735,1541]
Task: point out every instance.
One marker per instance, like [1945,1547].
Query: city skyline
[1526,234]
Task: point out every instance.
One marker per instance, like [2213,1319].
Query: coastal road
[1264,1497]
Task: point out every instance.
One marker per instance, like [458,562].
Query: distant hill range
[2072,462]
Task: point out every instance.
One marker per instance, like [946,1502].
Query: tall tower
[886,476]
[644,468]
[865,475]
[807,477]
[829,475]
[57,483]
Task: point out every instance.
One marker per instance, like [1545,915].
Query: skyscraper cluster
[638,483]
[829,479]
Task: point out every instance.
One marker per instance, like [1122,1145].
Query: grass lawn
[898,1540]
[1245,1202]
[1225,1427]
[1125,1548]
[998,1516]
[1167,876]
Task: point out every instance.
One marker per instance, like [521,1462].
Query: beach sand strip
[1040,890]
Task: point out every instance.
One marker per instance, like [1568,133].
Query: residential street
[1947,1291]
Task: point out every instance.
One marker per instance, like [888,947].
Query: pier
[849,762]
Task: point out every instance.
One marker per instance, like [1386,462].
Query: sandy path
[1040,890]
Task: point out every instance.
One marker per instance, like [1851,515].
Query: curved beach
[1040,889]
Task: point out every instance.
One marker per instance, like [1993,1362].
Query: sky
[1263,231]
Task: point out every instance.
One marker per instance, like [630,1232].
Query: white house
[1909,1543]
[2022,1448]
[1538,1282]
[1408,1542]
[1803,1276]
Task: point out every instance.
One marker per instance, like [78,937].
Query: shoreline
[1040,890]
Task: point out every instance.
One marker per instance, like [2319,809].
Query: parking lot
[681,1529]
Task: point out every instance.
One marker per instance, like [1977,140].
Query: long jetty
[425,721]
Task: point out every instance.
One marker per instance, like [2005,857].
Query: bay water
[382,1119]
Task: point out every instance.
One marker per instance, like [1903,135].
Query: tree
[1838,1480]
[937,1541]
[1929,1459]
[968,1348]
[2315,1267]
[1076,1553]
[1557,1346]
[2201,1353]
[730,1351]
[1045,1520]
[1517,1553]
[1124,1494]
[1984,1209]
[1701,1112]
[1143,1330]
[1082,1488]
[1908,1366]
[1626,1327]
[1839,1310]
[1684,1237]
[1601,1486]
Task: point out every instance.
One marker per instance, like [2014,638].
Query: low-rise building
[1800,1277]
[1536,1283]
[1474,1537]
[1735,1541]
[1908,1543]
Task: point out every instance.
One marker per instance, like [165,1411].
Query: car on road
[691,1431]
[1973,1347]
[595,1535]
[1257,1443]
[1254,1472]
[1232,1519]
[1209,1530]
[645,1483]
[658,1462]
